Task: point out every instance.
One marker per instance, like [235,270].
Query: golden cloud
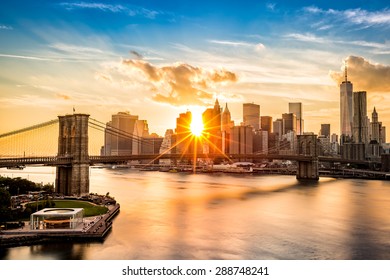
[181,83]
[365,75]
[63,96]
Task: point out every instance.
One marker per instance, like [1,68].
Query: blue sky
[169,56]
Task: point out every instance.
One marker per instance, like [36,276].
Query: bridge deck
[55,161]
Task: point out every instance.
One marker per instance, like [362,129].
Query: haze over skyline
[158,59]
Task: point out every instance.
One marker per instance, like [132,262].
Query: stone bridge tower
[307,146]
[73,179]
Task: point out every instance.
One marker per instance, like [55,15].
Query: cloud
[257,47]
[99,6]
[136,54]
[354,16]
[181,83]
[365,75]
[271,6]
[75,49]
[27,57]
[130,10]
[104,77]
[5,27]
[307,37]
[63,96]
[152,72]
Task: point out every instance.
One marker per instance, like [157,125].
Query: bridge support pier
[73,179]
[308,170]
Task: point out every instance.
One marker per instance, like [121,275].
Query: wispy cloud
[270,6]
[307,37]
[354,16]
[258,46]
[113,8]
[99,6]
[75,48]
[28,57]
[5,27]
[376,47]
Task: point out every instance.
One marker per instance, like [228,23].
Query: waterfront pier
[93,229]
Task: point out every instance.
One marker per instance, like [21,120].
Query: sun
[197,124]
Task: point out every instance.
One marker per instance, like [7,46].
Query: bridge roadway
[61,161]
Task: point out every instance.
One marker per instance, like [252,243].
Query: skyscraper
[226,122]
[241,140]
[296,108]
[278,128]
[266,123]
[251,115]
[141,130]
[346,89]
[212,128]
[290,123]
[226,126]
[378,131]
[168,146]
[360,119]
[325,130]
[183,133]
[119,134]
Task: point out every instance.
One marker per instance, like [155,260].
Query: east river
[179,216]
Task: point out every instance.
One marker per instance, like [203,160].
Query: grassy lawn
[90,209]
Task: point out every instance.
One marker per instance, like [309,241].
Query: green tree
[5,203]
[18,185]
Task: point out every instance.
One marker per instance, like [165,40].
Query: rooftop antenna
[345,70]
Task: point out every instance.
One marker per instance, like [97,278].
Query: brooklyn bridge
[72,160]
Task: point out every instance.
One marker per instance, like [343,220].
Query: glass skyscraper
[346,89]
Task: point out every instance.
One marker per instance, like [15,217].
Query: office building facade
[296,108]
[251,115]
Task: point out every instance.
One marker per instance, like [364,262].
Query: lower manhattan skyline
[106,57]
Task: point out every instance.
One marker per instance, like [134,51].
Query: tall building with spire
[375,148]
[226,126]
[376,128]
[227,122]
[346,89]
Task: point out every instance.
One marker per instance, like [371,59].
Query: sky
[157,59]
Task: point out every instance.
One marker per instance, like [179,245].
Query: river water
[179,216]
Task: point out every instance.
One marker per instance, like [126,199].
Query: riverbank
[94,229]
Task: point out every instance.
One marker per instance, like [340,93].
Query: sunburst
[197,125]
